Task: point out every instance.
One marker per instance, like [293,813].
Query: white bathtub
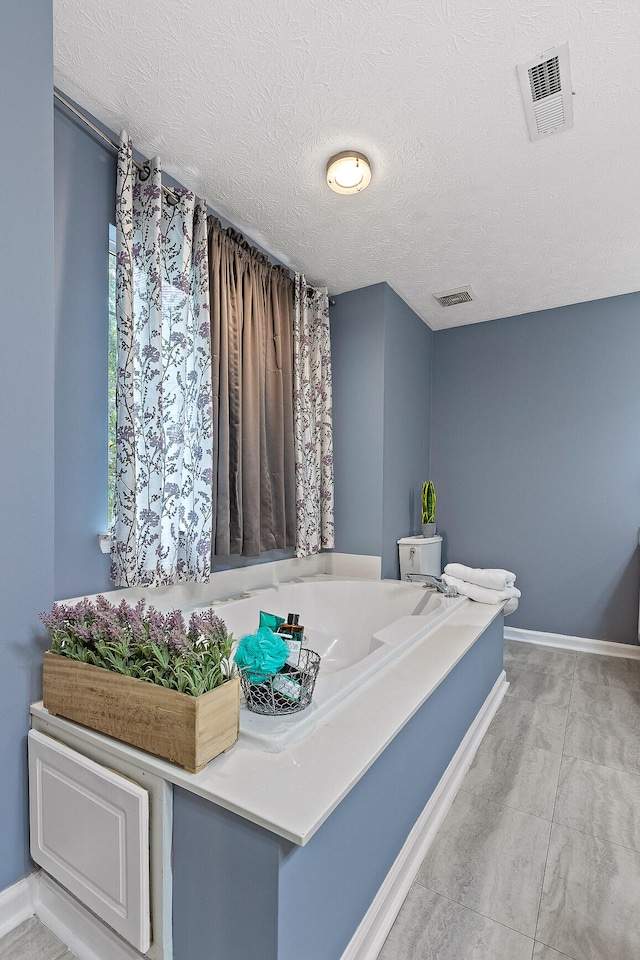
[357,627]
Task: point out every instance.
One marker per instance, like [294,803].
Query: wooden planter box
[189,731]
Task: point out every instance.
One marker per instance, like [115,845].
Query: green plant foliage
[146,645]
[428,502]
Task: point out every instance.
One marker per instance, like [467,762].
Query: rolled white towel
[491,579]
[481,594]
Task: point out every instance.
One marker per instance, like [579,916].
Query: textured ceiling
[245,101]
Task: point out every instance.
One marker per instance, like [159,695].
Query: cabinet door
[90,830]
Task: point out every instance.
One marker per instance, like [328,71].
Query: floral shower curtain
[162,507]
[313,435]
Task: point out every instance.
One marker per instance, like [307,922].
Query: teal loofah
[263,653]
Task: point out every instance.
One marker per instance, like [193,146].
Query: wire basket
[289,691]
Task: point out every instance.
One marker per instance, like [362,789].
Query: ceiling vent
[450,298]
[545,84]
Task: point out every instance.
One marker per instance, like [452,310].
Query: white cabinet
[90,830]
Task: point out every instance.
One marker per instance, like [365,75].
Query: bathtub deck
[293,792]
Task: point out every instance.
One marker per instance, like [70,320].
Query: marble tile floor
[31,940]
[539,855]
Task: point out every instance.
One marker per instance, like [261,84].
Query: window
[113,372]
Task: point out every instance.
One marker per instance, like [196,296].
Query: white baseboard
[581,644]
[84,935]
[368,939]
[17,903]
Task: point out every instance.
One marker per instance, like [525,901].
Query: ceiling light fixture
[348,172]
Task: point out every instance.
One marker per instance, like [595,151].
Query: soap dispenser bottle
[293,633]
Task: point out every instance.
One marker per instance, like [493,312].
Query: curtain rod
[89,123]
[116,146]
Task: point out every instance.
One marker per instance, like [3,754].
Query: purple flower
[150,517]
[182,283]
[171,490]
[204,547]
[155,624]
[175,433]
[151,353]
[174,620]
[207,625]
[176,640]
[204,330]
[136,632]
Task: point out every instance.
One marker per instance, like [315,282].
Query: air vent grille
[545,79]
[450,298]
[545,84]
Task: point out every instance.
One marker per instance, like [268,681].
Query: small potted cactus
[428,509]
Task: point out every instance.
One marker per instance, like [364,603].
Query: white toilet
[420,555]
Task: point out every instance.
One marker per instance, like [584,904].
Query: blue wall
[537,464]
[225,884]
[381,356]
[26,399]
[407,424]
[357,360]
[85,183]
[527,429]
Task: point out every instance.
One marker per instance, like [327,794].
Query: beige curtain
[252,370]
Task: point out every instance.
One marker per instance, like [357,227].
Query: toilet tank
[420,555]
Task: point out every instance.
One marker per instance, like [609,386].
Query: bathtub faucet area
[430,581]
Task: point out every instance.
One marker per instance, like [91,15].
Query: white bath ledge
[292,793]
